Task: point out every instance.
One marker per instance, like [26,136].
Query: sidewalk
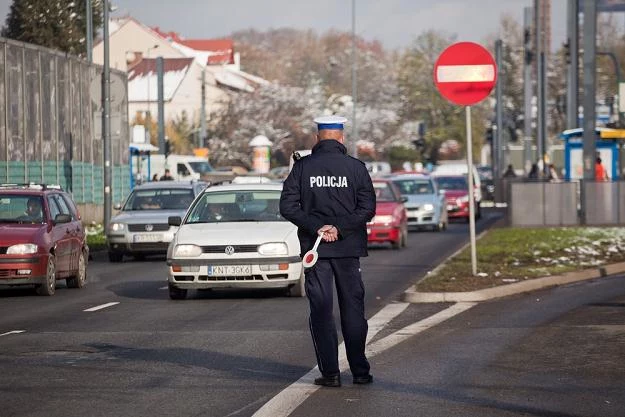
[555,352]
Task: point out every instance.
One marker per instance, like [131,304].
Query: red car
[390,223]
[42,239]
[457,195]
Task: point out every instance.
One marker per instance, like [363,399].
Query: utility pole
[541,86]
[590,86]
[106,118]
[202,137]
[89,31]
[572,104]
[354,84]
[527,88]
[161,103]
[498,136]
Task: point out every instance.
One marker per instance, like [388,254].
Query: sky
[396,23]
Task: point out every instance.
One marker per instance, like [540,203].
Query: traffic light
[167,149]
[489,134]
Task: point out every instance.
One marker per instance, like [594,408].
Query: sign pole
[471,192]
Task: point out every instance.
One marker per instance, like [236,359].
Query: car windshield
[452,183]
[414,186]
[201,166]
[160,199]
[383,192]
[236,206]
[21,209]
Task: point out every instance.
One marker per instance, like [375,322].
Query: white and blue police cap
[330,122]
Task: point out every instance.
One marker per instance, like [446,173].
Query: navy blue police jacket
[330,187]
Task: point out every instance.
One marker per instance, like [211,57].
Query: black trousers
[345,274]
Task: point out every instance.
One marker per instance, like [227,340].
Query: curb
[413,296]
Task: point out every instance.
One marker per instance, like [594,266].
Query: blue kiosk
[140,154]
[608,142]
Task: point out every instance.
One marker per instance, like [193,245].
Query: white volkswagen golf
[234,237]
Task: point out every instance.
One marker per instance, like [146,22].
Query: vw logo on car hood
[229,250]
[149,227]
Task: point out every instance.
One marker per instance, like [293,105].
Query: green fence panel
[50,172]
[16,172]
[98,184]
[3,172]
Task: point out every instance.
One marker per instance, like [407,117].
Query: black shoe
[329,381]
[365,379]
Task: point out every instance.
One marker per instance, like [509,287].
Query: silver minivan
[141,226]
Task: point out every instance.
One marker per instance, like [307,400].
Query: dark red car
[390,223]
[42,239]
[457,195]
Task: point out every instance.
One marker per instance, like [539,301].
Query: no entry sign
[465,73]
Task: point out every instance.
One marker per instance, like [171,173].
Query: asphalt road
[215,354]
[551,353]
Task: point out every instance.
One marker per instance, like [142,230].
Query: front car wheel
[49,287]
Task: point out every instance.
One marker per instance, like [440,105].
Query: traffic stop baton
[310,258]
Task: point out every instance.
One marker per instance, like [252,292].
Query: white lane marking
[13,332]
[100,307]
[384,317]
[465,73]
[415,328]
[286,401]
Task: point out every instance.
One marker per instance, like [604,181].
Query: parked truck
[186,167]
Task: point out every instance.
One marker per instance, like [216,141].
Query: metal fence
[564,203]
[50,124]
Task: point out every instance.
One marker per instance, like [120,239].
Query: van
[186,167]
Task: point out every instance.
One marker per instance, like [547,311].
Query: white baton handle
[314,249]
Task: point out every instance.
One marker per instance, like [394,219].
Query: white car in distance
[233,236]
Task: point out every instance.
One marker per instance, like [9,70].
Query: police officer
[330,193]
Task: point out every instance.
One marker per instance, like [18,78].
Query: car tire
[49,287]
[405,238]
[398,244]
[298,289]
[78,280]
[176,293]
[116,257]
[479,211]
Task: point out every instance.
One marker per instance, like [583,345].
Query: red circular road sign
[465,73]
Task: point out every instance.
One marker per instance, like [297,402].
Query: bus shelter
[139,155]
[609,144]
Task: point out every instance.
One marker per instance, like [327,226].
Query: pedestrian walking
[600,172]
[167,176]
[329,193]
[534,173]
[509,172]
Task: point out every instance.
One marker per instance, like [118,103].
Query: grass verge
[96,242]
[510,255]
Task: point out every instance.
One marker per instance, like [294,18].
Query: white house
[134,48]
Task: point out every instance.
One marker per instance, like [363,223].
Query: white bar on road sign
[465,73]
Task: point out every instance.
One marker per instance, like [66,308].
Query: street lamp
[354,84]
[149,115]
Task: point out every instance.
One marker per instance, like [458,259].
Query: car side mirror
[403,199]
[117,206]
[174,220]
[62,218]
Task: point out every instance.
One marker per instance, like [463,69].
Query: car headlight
[186,251]
[386,219]
[463,199]
[117,227]
[22,249]
[428,207]
[273,249]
